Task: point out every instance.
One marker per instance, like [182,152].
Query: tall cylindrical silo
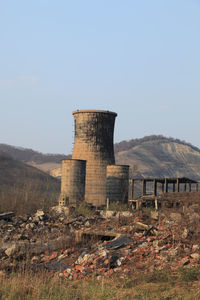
[93,142]
[73,181]
[117,182]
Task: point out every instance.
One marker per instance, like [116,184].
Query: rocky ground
[103,244]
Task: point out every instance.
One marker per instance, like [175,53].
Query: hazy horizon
[139,59]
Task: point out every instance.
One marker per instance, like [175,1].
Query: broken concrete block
[11,250]
[185,233]
[195,256]
[154,215]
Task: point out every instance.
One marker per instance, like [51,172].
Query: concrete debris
[11,250]
[6,216]
[106,247]
[108,214]
[154,215]
[185,233]
[59,210]
[195,256]
[117,243]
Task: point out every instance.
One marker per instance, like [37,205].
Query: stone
[195,256]
[87,224]
[154,215]
[185,233]
[107,214]
[119,261]
[118,242]
[60,211]
[155,243]
[39,215]
[7,216]
[11,250]
[125,214]
[35,259]
[103,252]
[195,248]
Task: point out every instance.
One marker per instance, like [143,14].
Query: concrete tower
[93,142]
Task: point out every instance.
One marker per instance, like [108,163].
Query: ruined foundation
[94,143]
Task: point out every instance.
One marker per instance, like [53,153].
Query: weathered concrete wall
[94,143]
[117,183]
[73,181]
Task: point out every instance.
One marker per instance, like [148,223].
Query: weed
[84,209]
[188,275]
[28,285]
[117,206]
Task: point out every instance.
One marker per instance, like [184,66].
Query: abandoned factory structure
[92,175]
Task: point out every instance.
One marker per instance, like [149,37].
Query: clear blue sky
[139,58]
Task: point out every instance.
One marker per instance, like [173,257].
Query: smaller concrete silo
[117,183]
[72,182]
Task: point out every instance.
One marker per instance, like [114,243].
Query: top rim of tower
[94,111]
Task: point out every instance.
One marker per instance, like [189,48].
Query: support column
[132,189]
[178,185]
[156,204]
[166,185]
[185,187]
[190,187]
[163,185]
[174,187]
[155,187]
[197,187]
[143,187]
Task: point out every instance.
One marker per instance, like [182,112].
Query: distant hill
[154,156]
[127,145]
[44,162]
[24,188]
[27,155]
[158,156]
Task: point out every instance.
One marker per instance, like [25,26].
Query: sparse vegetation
[84,209]
[158,285]
[23,188]
[117,206]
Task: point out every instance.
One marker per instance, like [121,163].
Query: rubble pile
[107,244]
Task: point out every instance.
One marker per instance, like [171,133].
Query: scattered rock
[195,248]
[109,246]
[60,210]
[11,250]
[154,215]
[185,233]
[195,256]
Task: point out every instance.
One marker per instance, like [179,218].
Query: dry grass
[29,285]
